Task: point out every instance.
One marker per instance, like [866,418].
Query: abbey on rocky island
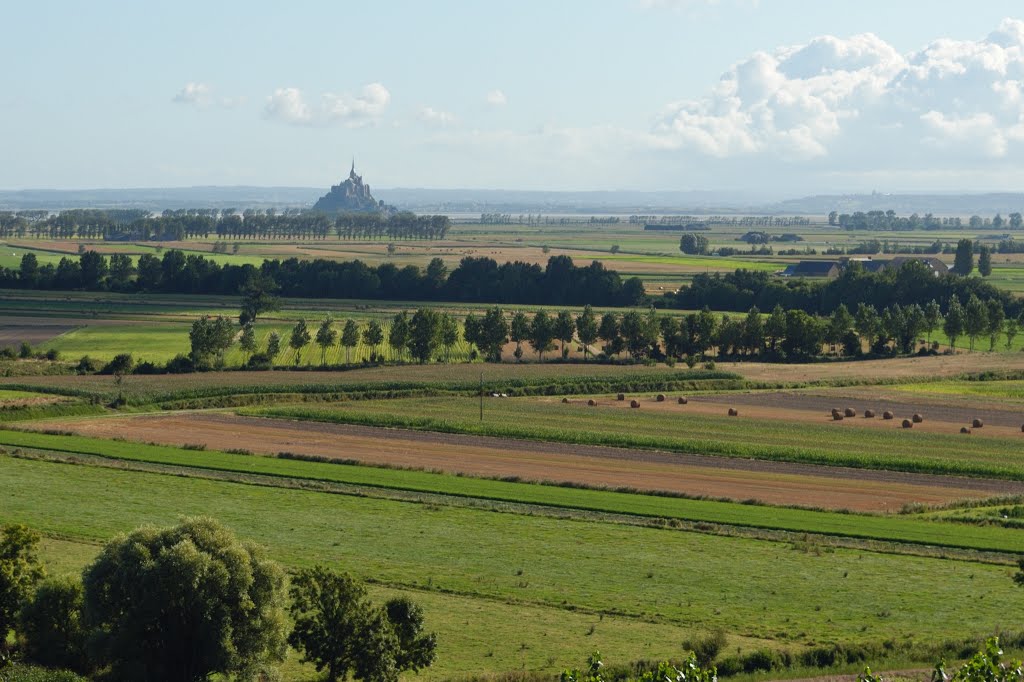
[351,196]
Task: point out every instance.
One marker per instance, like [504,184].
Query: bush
[147,367]
[7,353]
[121,364]
[179,364]
[706,649]
[52,354]
[19,672]
[51,627]
[260,361]
[25,351]
[87,365]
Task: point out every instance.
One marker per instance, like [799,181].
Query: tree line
[911,283]
[474,280]
[251,224]
[189,602]
[889,221]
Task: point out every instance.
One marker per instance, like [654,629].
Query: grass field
[752,438]
[1010,391]
[646,575]
[886,528]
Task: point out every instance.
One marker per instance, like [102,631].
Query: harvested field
[879,370]
[14,331]
[772,482]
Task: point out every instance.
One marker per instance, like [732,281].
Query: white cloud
[858,101]
[194,93]
[437,118]
[496,98]
[289,105]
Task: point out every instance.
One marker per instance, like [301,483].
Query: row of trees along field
[185,603]
[478,280]
[429,335]
[911,283]
[182,224]
[888,220]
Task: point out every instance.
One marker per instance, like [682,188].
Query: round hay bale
[850,412]
[682,400]
[977,423]
[591,402]
[869,414]
[634,404]
[565,400]
[621,396]
[964,429]
[907,424]
[887,415]
[835,412]
[837,416]
[733,412]
[660,397]
[918,418]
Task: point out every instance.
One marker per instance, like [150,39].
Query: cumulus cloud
[289,105]
[437,118]
[194,93]
[496,98]
[860,99]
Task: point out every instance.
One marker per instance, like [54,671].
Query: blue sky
[785,96]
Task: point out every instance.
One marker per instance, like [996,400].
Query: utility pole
[481,396]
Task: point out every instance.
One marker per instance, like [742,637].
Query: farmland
[533,514]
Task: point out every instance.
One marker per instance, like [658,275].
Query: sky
[791,97]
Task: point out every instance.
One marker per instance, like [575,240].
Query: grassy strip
[892,529]
[12,413]
[891,450]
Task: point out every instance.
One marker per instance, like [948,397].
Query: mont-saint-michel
[351,196]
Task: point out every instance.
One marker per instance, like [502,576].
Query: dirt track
[772,482]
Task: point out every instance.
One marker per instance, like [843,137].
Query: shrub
[122,363]
[707,648]
[25,351]
[86,365]
[52,354]
[179,364]
[51,625]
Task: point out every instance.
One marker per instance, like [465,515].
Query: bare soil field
[13,331]
[879,370]
[816,406]
[717,477]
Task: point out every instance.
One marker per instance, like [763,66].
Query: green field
[1012,391]
[537,419]
[886,528]
[693,581]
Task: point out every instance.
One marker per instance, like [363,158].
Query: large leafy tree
[398,335]
[955,321]
[984,261]
[349,338]
[210,337]
[184,603]
[975,319]
[299,339]
[610,332]
[542,333]
[493,334]
[50,625]
[449,334]
[340,631]
[424,334]
[586,329]
[963,261]
[519,332]
[258,297]
[373,335]
[693,244]
[20,571]
[325,336]
[565,327]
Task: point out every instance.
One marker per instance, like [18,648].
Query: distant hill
[469,201]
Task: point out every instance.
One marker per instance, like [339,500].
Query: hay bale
[850,412]
[682,400]
[634,404]
[907,424]
[887,415]
[917,418]
[591,402]
[620,396]
[964,429]
[869,414]
[837,416]
[660,397]
[835,412]
[733,412]
[977,423]
[565,400]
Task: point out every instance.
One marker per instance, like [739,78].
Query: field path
[717,477]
